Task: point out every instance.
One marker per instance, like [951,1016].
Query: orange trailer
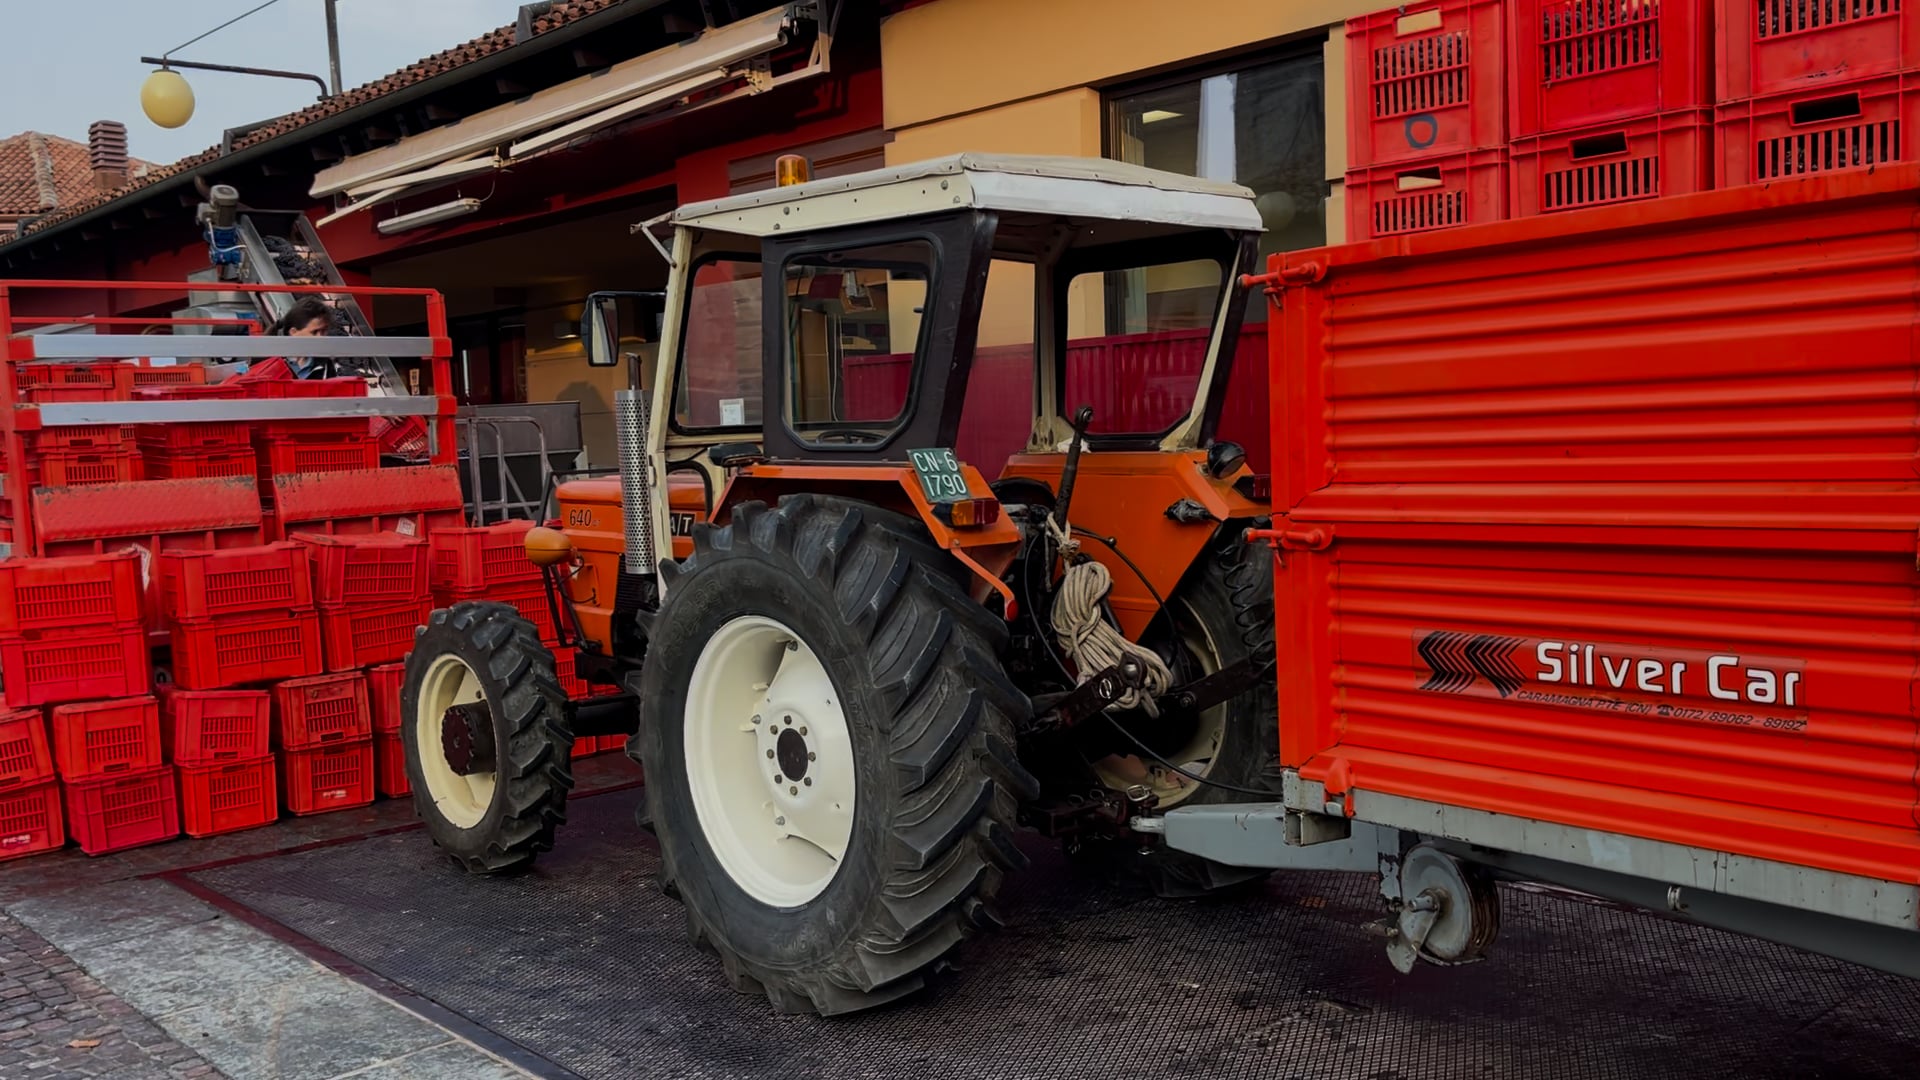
[1596,541]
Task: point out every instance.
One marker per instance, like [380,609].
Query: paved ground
[344,946]
[58,1023]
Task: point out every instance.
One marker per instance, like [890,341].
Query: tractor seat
[735,454]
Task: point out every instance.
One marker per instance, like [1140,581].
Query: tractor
[852,666]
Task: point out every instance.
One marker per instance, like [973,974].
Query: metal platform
[586,965]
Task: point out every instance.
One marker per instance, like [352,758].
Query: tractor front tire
[484,729]
[828,740]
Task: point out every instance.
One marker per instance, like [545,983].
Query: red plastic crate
[280,457]
[170,375]
[80,592]
[613,744]
[194,437]
[56,667]
[376,568]
[1848,126]
[478,558]
[390,767]
[528,597]
[30,821]
[413,501]
[402,436]
[210,584]
[100,738]
[384,684]
[1421,196]
[120,812]
[25,755]
[314,430]
[1775,46]
[228,796]
[328,778]
[364,635]
[82,437]
[321,709]
[585,746]
[75,381]
[186,464]
[206,727]
[305,388]
[75,468]
[237,650]
[1424,80]
[1599,166]
[1578,63]
[225,391]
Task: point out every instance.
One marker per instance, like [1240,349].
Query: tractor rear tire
[837,616]
[1221,613]
[489,820]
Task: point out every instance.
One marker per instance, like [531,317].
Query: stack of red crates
[119,792]
[175,451]
[30,820]
[490,563]
[1426,118]
[389,758]
[310,446]
[373,593]
[324,728]
[219,742]
[1608,102]
[71,629]
[239,616]
[1806,87]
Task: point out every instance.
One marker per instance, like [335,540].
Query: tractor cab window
[854,321]
[720,369]
[1136,340]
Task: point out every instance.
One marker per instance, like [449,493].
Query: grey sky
[67,63]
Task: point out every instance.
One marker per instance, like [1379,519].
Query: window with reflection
[854,340]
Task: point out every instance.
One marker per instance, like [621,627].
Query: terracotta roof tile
[44,172]
[562,13]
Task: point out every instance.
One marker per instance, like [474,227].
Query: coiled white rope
[1089,640]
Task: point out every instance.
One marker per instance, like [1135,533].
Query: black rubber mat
[586,964]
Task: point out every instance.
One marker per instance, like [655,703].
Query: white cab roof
[1058,186]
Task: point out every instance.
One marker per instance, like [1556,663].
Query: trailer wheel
[828,739]
[483,725]
[1222,612]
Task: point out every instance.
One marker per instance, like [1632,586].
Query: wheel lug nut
[793,791]
[780,821]
[808,781]
[769,755]
[803,731]
[790,724]
[811,755]
[771,730]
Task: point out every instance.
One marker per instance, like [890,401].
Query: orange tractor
[853,666]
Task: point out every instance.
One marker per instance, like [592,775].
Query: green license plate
[939,473]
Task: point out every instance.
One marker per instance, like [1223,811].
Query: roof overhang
[1092,188]
[566,34]
[669,81]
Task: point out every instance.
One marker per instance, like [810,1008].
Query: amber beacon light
[791,169]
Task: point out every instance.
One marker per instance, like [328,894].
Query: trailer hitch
[1058,712]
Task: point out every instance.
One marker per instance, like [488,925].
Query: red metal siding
[1674,432]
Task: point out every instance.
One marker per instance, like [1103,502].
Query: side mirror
[600,329]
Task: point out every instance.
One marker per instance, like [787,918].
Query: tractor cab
[970,304]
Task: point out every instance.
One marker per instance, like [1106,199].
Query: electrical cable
[217,29]
[1195,777]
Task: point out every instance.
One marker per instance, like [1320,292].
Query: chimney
[107,153]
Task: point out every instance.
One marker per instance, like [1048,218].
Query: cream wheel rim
[770,764]
[462,800]
[1197,754]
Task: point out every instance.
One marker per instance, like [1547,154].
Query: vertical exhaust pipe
[631,421]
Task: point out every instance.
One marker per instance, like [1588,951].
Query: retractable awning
[660,83]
